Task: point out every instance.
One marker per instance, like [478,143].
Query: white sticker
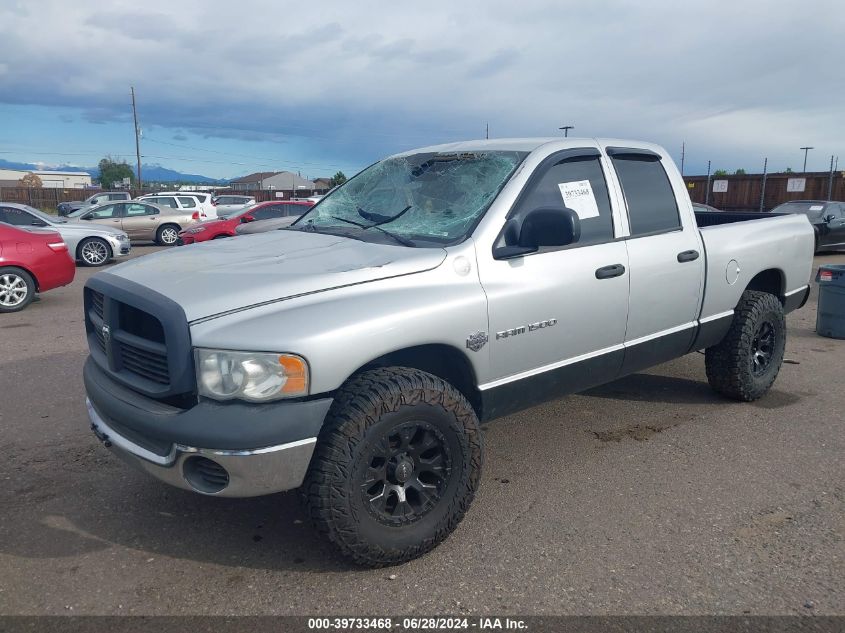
[816,207]
[578,196]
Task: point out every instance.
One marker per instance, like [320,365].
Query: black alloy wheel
[408,469]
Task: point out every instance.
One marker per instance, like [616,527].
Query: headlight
[198,229]
[251,376]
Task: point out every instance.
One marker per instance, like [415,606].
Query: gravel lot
[650,495]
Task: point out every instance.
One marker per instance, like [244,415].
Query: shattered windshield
[423,199]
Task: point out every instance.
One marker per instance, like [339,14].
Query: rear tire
[94,251]
[744,365]
[396,466]
[167,235]
[17,289]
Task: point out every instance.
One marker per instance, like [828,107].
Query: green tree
[338,179]
[788,170]
[720,172]
[113,172]
[739,172]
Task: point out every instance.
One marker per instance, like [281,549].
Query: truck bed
[738,245]
[713,218]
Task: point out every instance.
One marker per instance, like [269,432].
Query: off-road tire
[166,232]
[16,276]
[367,408]
[730,364]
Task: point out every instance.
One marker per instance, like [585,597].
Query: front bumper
[221,473]
[119,248]
[258,448]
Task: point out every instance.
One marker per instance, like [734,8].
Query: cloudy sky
[227,88]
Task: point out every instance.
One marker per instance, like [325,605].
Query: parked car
[101,197]
[141,221]
[827,218]
[226,226]
[90,244]
[227,204]
[203,201]
[262,226]
[187,204]
[355,353]
[32,260]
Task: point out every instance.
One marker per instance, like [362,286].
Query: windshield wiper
[377,219]
[402,240]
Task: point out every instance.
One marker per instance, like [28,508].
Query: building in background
[64,179]
[10,177]
[286,183]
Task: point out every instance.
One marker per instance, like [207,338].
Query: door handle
[606,272]
[687,256]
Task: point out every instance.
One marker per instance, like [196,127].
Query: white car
[183,202]
[228,204]
[204,201]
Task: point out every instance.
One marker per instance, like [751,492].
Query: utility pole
[566,129]
[763,188]
[683,149]
[137,135]
[487,131]
[707,193]
[830,180]
[806,149]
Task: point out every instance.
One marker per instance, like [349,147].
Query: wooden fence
[49,197]
[742,192]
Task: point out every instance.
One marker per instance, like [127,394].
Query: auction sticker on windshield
[578,196]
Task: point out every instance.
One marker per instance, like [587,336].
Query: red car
[225,226]
[32,260]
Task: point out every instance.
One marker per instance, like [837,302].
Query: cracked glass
[425,199]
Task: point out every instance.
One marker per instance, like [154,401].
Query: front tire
[396,466]
[94,251]
[744,365]
[17,289]
[167,235]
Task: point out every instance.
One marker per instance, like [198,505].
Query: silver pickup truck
[354,354]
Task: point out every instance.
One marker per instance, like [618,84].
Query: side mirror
[247,218]
[829,218]
[543,226]
[86,217]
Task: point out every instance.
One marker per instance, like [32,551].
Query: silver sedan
[90,244]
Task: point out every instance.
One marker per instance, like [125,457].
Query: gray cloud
[736,81]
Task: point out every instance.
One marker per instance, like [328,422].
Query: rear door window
[135,209]
[648,193]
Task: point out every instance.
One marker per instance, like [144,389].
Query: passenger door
[557,316]
[666,261]
[140,221]
[108,214]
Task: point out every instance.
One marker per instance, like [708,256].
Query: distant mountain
[150,173]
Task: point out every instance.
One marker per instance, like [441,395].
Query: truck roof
[523,144]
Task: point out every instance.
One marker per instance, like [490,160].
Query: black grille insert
[145,363]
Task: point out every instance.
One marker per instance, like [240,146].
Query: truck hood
[220,276]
